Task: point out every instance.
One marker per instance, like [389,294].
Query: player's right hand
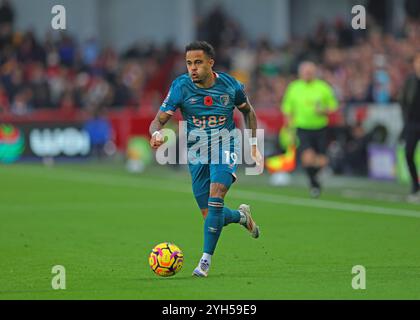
[157,140]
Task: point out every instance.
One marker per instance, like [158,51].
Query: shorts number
[231,157]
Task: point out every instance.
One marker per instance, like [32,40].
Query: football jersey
[206,109]
[301,100]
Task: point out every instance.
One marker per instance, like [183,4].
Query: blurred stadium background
[80,102]
[109,71]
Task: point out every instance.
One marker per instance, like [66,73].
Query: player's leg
[308,157]
[320,146]
[313,156]
[200,176]
[221,181]
[225,174]
[321,161]
[200,180]
[231,216]
[215,220]
[201,190]
[213,226]
[410,148]
[228,164]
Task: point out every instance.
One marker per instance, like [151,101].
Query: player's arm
[250,118]
[172,101]
[157,124]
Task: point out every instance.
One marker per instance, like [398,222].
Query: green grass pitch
[100,223]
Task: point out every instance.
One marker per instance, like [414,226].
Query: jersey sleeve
[173,99]
[240,95]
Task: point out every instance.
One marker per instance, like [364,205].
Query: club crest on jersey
[224,99]
[208,101]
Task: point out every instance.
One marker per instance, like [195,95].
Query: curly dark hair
[201,45]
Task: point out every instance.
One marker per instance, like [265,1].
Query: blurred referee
[410,104]
[306,105]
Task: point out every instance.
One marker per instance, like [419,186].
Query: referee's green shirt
[301,99]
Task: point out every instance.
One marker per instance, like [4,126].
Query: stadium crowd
[70,75]
[361,66]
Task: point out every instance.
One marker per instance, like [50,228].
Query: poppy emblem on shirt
[208,101]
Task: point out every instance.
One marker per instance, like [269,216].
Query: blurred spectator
[68,103]
[7,14]
[361,67]
[213,26]
[4,101]
[122,94]
[7,17]
[57,81]
[39,86]
[13,80]
[90,52]
[67,51]
[410,103]
[21,104]
[99,130]
[355,157]
[30,50]
[412,7]
[381,81]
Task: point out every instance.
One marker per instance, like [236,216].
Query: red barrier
[127,122]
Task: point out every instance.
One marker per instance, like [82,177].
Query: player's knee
[308,157]
[218,190]
[322,161]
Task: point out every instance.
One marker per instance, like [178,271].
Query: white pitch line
[165,185]
[355,194]
[326,204]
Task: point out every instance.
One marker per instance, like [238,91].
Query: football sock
[312,172]
[231,216]
[415,188]
[213,225]
[206,257]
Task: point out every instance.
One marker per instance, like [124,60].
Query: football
[166,259]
